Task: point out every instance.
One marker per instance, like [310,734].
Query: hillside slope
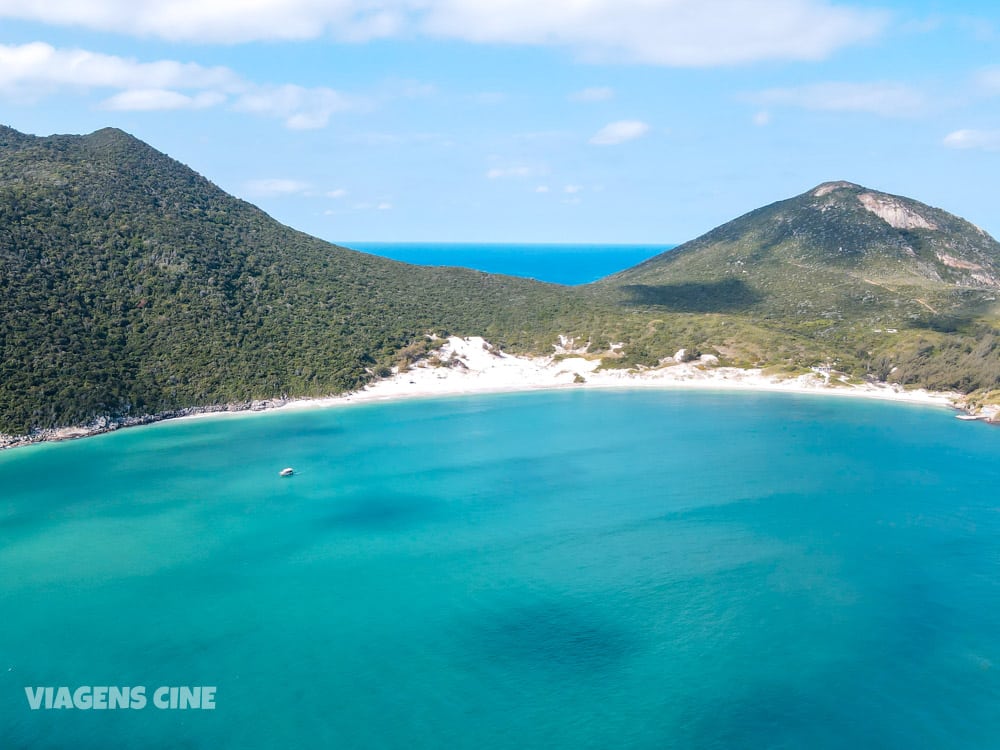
[837,251]
[129,284]
[885,285]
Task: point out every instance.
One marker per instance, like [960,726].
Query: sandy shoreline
[471,366]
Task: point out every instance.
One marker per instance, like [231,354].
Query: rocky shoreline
[104,424]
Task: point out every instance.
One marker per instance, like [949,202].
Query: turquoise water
[579,569]
[558,264]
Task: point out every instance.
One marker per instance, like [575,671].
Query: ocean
[558,264]
[571,569]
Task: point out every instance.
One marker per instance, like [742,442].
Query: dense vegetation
[131,285]
[822,278]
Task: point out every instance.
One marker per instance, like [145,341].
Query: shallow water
[571,569]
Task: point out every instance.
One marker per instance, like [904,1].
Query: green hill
[884,285]
[130,285]
[839,251]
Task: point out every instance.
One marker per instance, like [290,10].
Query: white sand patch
[476,367]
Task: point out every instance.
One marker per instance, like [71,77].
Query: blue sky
[611,121]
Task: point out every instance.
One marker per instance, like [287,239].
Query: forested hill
[129,284]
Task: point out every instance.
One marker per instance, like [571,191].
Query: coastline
[465,366]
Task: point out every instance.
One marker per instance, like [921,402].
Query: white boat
[286,472]
[970,417]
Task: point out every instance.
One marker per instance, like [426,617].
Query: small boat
[286,472]
[970,417]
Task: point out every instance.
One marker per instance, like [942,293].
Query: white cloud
[338,193]
[497,173]
[150,100]
[677,33]
[886,99]
[571,189]
[988,80]
[619,132]
[382,205]
[299,107]
[41,65]
[542,189]
[225,21]
[410,89]
[981,29]
[983,140]
[275,186]
[762,118]
[594,94]
[39,70]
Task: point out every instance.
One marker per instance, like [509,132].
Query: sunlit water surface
[579,569]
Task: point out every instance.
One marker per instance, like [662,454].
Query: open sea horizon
[568,264]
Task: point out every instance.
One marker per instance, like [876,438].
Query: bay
[566,569]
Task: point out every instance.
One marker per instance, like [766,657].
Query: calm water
[559,264]
[552,570]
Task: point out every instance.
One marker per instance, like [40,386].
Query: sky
[605,121]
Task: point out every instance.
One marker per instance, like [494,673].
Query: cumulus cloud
[982,140]
[150,100]
[886,99]
[593,94]
[274,186]
[39,69]
[300,108]
[225,21]
[42,65]
[619,132]
[988,80]
[519,170]
[677,33]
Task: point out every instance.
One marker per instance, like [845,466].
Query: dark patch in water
[382,512]
[769,716]
[556,635]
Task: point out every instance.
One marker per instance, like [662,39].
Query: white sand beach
[472,365]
